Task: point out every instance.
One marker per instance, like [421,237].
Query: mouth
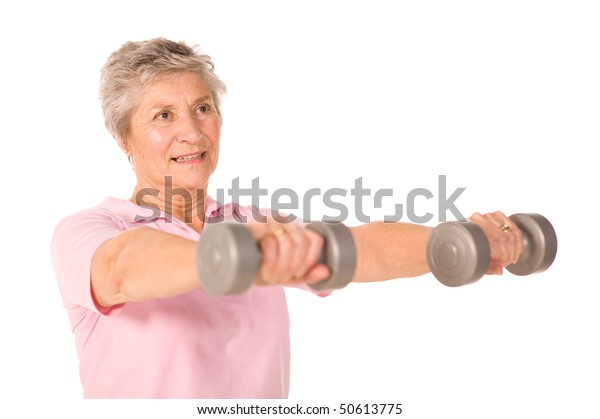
[189,157]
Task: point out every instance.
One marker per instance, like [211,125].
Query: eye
[205,108]
[163,115]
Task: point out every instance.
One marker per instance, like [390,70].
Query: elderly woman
[143,325]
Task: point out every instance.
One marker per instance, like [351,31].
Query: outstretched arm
[390,250]
[141,264]
[144,263]
[397,250]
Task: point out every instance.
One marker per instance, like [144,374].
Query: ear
[124,146]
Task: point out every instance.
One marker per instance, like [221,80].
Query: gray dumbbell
[458,253]
[228,257]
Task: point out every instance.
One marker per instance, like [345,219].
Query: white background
[501,97]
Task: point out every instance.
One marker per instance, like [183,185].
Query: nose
[188,129]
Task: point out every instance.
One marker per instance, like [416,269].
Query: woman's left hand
[504,237]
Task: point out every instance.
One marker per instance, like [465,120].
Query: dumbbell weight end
[458,253]
[339,254]
[540,244]
[227,258]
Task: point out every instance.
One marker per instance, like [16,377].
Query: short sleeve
[75,240]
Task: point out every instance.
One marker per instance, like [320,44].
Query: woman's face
[175,131]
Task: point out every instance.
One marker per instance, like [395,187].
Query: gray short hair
[136,65]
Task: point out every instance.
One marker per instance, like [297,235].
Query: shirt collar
[134,213]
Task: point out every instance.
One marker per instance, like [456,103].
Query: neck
[183,204]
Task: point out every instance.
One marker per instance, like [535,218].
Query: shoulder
[117,212]
[102,221]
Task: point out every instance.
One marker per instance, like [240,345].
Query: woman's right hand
[289,252]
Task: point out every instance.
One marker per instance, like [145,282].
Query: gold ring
[276,233]
[505,228]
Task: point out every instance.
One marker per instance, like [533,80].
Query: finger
[476,216]
[503,240]
[514,237]
[490,226]
[317,273]
[494,269]
[507,240]
[274,244]
[314,248]
[503,246]
[298,252]
[285,249]
[269,251]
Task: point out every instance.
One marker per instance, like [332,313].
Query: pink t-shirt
[193,345]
